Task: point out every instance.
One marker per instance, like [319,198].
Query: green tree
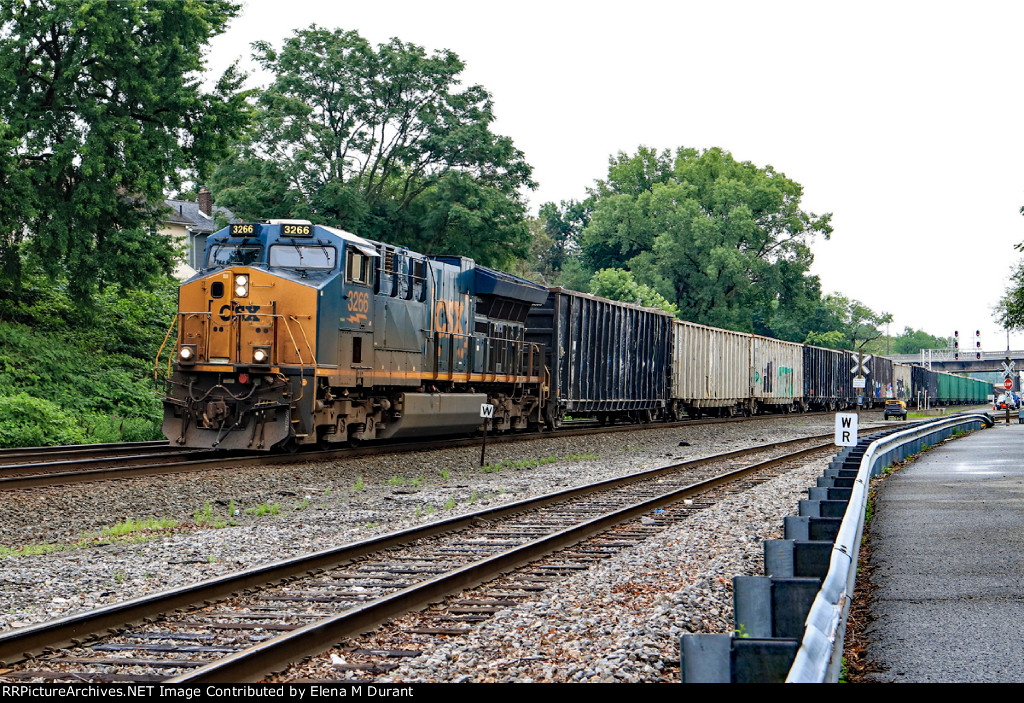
[616,284]
[101,113]
[381,141]
[727,238]
[912,341]
[843,323]
[1010,310]
[563,225]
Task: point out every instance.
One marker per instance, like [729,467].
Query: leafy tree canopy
[726,238]
[842,323]
[616,284]
[1010,310]
[912,341]
[381,141]
[100,114]
[563,225]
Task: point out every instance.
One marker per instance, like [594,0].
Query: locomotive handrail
[312,354]
[156,361]
[182,317]
[298,355]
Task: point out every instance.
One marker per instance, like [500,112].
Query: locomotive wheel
[289,446]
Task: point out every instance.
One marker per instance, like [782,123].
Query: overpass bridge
[943,360]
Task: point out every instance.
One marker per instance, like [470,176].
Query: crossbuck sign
[860,365]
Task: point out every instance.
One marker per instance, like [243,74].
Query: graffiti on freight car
[786,380]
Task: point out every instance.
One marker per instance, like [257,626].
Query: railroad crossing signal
[1008,367]
[860,365]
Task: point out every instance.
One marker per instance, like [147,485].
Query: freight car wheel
[553,422]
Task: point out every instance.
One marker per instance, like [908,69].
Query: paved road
[948,545]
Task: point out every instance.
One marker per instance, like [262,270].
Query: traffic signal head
[978,355]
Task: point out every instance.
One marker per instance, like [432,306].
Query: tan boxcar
[710,368]
[901,380]
[776,376]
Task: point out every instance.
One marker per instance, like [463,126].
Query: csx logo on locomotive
[450,316]
[246,313]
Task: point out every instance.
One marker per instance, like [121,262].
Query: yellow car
[895,408]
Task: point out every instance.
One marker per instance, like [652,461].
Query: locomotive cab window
[358,267]
[233,255]
[303,257]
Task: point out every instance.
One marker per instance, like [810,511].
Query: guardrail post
[727,659]
[767,606]
[800,558]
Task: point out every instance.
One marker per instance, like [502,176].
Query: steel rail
[112,449]
[23,643]
[232,460]
[277,653]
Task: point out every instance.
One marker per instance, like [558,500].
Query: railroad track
[243,626]
[29,455]
[47,466]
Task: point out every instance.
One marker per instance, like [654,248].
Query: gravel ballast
[321,505]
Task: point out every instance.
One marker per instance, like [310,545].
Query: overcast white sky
[903,119]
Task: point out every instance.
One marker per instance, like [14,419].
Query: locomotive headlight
[241,286]
[187,354]
[261,355]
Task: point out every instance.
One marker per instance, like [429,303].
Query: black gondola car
[924,385]
[880,382]
[607,359]
[828,383]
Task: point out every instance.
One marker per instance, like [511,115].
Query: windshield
[232,255]
[304,257]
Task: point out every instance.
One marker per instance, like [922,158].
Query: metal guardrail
[819,657]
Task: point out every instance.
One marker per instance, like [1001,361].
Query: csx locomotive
[296,334]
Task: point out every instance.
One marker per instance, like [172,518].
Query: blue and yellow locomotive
[295,334]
